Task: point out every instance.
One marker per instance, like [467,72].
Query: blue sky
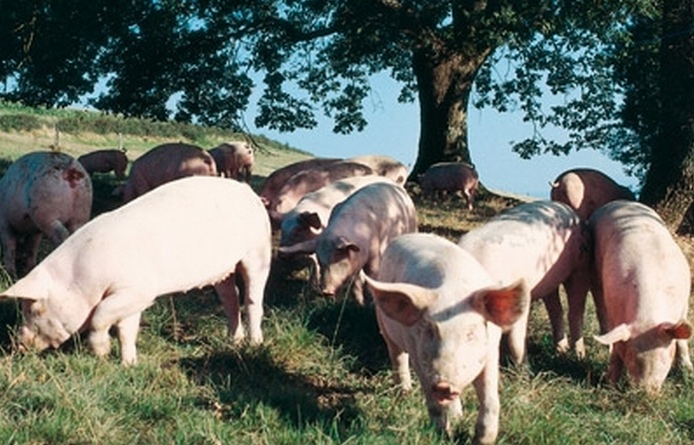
[394,130]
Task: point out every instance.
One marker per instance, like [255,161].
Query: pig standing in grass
[641,290]
[165,163]
[439,310]
[234,160]
[358,231]
[451,177]
[544,243]
[42,193]
[585,189]
[104,161]
[185,234]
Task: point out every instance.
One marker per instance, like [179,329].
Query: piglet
[186,234]
[641,289]
[42,193]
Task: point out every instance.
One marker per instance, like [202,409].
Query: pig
[165,163]
[166,241]
[451,177]
[307,181]
[358,231]
[546,244]
[42,193]
[105,161]
[447,324]
[586,189]
[234,160]
[641,287]
[384,166]
[278,178]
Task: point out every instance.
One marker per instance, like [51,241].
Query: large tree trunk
[444,83]
[669,185]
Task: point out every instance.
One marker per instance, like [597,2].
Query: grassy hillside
[322,376]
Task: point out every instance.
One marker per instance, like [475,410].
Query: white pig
[358,231]
[544,243]
[447,324]
[641,291]
[166,241]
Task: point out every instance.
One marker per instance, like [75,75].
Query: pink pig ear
[503,306]
[620,333]
[679,331]
[403,302]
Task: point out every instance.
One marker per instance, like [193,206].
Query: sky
[393,130]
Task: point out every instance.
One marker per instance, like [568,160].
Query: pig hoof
[100,344]
[562,347]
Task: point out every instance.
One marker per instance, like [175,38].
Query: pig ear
[503,306]
[620,333]
[679,331]
[344,244]
[311,219]
[308,246]
[33,287]
[403,302]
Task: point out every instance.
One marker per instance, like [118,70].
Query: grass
[321,377]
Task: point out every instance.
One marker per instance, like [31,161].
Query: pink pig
[276,180]
[451,177]
[586,189]
[42,193]
[165,163]
[641,290]
[104,161]
[166,241]
[234,160]
[439,310]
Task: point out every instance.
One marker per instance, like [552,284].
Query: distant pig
[42,193]
[234,160]
[641,291]
[358,231]
[545,244]
[585,189]
[278,178]
[447,324]
[165,163]
[185,234]
[105,161]
[310,180]
[451,177]
[384,166]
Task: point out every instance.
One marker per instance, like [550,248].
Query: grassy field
[321,377]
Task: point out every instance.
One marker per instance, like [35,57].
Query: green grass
[321,377]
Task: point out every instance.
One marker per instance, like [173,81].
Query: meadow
[321,377]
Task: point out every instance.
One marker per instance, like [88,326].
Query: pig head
[167,241]
[358,231]
[641,288]
[446,324]
[104,161]
[586,189]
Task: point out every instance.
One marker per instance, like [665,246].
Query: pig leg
[31,250]
[516,339]
[128,329]
[56,231]
[255,270]
[615,368]
[9,252]
[399,359]
[229,296]
[683,359]
[487,389]
[556,319]
[576,290]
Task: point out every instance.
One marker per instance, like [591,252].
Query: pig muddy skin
[586,189]
[105,161]
[641,287]
[445,324]
[166,241]
[546,244]
[42,193]
[358,231]
[165,163]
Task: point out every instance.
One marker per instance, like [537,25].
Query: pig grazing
[451,177]
[310,180]
[641,291]
[105,161]
[234,160]
[585,189]
[42,193]
[358,231]
[384,166]
[438,309]
[545,244]
[165,163]
[278,178]
[186,234]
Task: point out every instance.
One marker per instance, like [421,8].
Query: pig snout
[444,393]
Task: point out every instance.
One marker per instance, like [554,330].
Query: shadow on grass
[252,377]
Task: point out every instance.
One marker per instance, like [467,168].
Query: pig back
[449,176]
[585,190]
[277,179]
